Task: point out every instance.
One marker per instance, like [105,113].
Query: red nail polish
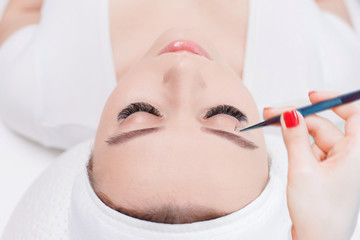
[291,119]
[312,92]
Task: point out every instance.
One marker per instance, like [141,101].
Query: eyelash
[138,107]
[145,107]
[226,109]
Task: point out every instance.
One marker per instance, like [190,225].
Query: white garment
[297,50]
[56,76]
[43,213]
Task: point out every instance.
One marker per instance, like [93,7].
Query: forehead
[185,164]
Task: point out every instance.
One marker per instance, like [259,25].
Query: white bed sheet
[21,162]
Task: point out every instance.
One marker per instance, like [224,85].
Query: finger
[270,112]
[324,132]
[318,153]
[344,111]
[352,125]
[297,142]
[273,112]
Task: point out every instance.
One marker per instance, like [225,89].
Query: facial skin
[187,161]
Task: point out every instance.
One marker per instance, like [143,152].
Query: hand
[323,191]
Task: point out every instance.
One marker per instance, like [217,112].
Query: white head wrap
[264,218]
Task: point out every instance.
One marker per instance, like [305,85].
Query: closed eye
[226,109]
[146,107]
[138,107]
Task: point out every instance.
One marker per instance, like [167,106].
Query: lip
[185,45]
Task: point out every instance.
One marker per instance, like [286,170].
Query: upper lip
[185,45]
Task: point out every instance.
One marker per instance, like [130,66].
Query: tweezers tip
[239,130]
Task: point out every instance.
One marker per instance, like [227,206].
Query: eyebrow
[238,140]
[127,136]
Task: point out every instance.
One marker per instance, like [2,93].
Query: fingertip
[311,93]
[267,112]
[267,108]
[313,96]
[291,119]
[296,137]
[293,123]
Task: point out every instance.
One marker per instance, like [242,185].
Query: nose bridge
[184,82]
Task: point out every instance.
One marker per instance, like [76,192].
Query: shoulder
[336,7]
[18,14]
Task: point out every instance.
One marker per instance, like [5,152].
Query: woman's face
[166,138]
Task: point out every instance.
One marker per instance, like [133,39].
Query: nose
[183,82]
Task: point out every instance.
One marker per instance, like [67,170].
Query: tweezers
[311,109]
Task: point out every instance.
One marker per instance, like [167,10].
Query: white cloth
[294,47]
[43,212]
[56,76]
[353,7]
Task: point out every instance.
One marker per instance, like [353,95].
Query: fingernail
[267,108]
[291,119]
[311,92]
